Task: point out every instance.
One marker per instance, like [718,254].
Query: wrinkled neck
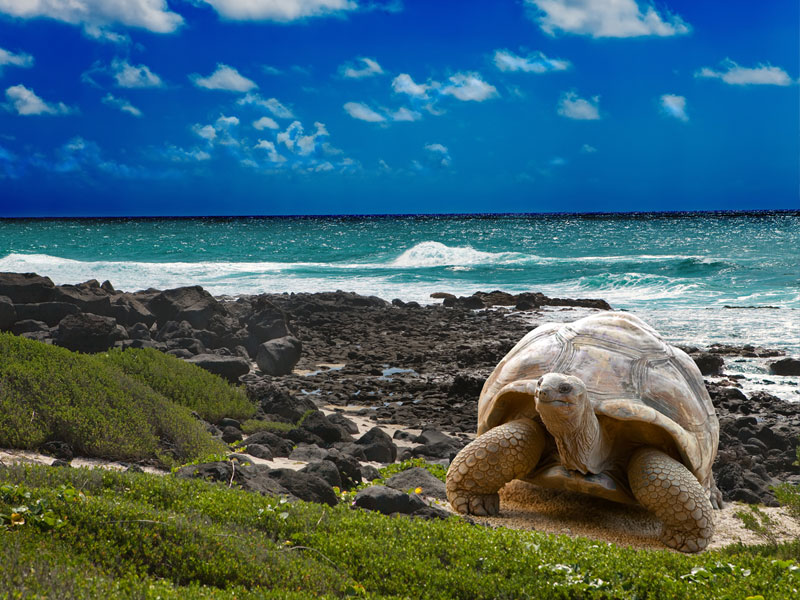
[580,439]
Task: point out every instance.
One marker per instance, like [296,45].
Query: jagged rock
[251,478]
[387,500]
[231,435]
[276,401]
[786,366]
[708,363]
[87,298]
[318,424]
[48,312]
[277,445]
[228,422]
[308,452]
[228,367]
[349,468]
[192,304]
[343,422]
[259,451]
[306,486]
[378,446]
[86,332]
[279,356]
[127,310]
[369,473]
[25,288]
[417,477]
[139,331]
[326,470]
[8,314]
[29,326]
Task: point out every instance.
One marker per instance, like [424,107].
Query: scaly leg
[668,489]
[507,452]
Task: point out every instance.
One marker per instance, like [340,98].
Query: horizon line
[657,213]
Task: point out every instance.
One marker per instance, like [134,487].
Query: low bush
[49,393]
[186,384]
[207,540]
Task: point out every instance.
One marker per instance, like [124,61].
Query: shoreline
[394,362]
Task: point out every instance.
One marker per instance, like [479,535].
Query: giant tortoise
[601,406]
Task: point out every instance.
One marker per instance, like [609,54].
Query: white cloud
[438,155]
[96,15]
[297,143]
[27,103]
[587,149]
[362,112]
[370,67]
[122,105]
[606,18]
[533,63]
[674,106]
[272,153]
[207,132]
[279,10]
[134,76]
[265,123]
[469,87]
[224,78]
[574,107]
[736,75]
[15,60]
[404,114]
[403,84]
[271,104]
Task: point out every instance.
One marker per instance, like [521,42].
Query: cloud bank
[606,18]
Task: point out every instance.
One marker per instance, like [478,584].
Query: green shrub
[50,393]
[184,383]
[207,540]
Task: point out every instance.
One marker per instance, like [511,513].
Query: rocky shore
[418,367]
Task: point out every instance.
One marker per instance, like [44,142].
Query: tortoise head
[562,402]
[567,413]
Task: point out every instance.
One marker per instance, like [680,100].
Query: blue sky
[229,107]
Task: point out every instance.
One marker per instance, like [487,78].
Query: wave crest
[436,254]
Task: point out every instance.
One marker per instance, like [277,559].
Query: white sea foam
[436,254]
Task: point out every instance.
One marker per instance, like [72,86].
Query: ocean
[699,278]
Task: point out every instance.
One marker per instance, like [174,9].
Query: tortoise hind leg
[490,461]
[668,489]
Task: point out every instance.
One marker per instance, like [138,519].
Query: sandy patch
[526,507]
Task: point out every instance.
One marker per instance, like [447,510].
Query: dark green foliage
[186,384]
[203,540]
[50,393]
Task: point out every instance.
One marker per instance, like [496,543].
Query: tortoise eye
[564,388]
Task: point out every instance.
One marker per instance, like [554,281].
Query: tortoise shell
[631,374]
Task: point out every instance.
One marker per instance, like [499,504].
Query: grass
[130,405]
[188,385]
[128,535]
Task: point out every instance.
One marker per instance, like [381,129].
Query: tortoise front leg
[507,452]
[668,489]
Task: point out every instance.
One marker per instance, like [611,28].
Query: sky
[284,107]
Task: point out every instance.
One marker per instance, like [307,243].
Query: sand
[524,506]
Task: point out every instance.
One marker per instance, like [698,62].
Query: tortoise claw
[481,505]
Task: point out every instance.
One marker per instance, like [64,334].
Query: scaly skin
[507,452]
[668,489]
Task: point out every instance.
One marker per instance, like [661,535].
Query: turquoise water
[679,271]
